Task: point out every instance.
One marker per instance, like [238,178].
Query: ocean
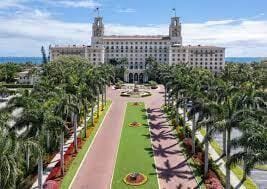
[38,60]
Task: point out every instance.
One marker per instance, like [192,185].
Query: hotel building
[165,49]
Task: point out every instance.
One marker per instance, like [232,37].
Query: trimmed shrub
[153,84]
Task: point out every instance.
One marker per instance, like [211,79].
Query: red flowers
[212,181]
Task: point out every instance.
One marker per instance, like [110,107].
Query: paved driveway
[97,169]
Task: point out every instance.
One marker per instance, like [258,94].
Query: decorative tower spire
[175,29]
[174,11]
[97,10]
[97,29]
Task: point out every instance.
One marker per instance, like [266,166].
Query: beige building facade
[165,49]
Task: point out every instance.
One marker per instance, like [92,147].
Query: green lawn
[133,154]
[77,161]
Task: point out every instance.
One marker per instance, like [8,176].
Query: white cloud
[77,4]
[126,10]
[24,34]
[4,4]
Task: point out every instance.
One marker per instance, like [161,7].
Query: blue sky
[238,25]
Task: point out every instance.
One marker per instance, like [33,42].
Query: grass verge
[249,183]
[134,154]
[78,159]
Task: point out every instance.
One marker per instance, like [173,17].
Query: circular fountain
[135,92]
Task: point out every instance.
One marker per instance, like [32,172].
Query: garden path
[173,171]
[98,166]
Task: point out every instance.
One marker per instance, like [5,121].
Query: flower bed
[135,124]
[70,155]
[136,104]
[212,180]
[55,174]
[135,179]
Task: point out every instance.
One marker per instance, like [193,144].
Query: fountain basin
[135,94]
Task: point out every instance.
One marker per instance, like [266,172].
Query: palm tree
[31,119]
[232,116]
[9,164]
[208,116]
[61,109]
[74,108]
[253,144]
[83,94]
[92,91]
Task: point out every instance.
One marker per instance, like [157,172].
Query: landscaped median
[73,168]
[133,162]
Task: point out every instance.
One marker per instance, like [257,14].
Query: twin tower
[174,31]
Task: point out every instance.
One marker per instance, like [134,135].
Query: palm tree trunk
[177,115]
[206,160]
[193,134]
[102,100]
[48,140]
[75,133]
[28,153]
[184,114]
[92,114]
[98,104]
[169,99]
[85,119]
[27,158]
[245,167]
[228,151]
[40,172]
[62,153]
[185,109]
[105,95]
[224,142]
[165,95]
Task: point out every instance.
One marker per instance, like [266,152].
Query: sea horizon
[38,60]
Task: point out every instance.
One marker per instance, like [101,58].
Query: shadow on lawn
[167,172]
[163,152]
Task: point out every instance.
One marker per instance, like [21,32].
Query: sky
[238,25]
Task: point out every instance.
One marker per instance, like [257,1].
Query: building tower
[175,31]
[97,31]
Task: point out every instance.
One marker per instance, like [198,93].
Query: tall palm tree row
[233,99]
[68,88]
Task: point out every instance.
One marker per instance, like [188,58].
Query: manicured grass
[78,159]
[249,183]
[133,154]
[261,167]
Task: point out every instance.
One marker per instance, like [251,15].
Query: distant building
[28,76]
[165,49]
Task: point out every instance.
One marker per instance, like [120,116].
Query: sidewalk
[56,158]
[235,182]
[170,162]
